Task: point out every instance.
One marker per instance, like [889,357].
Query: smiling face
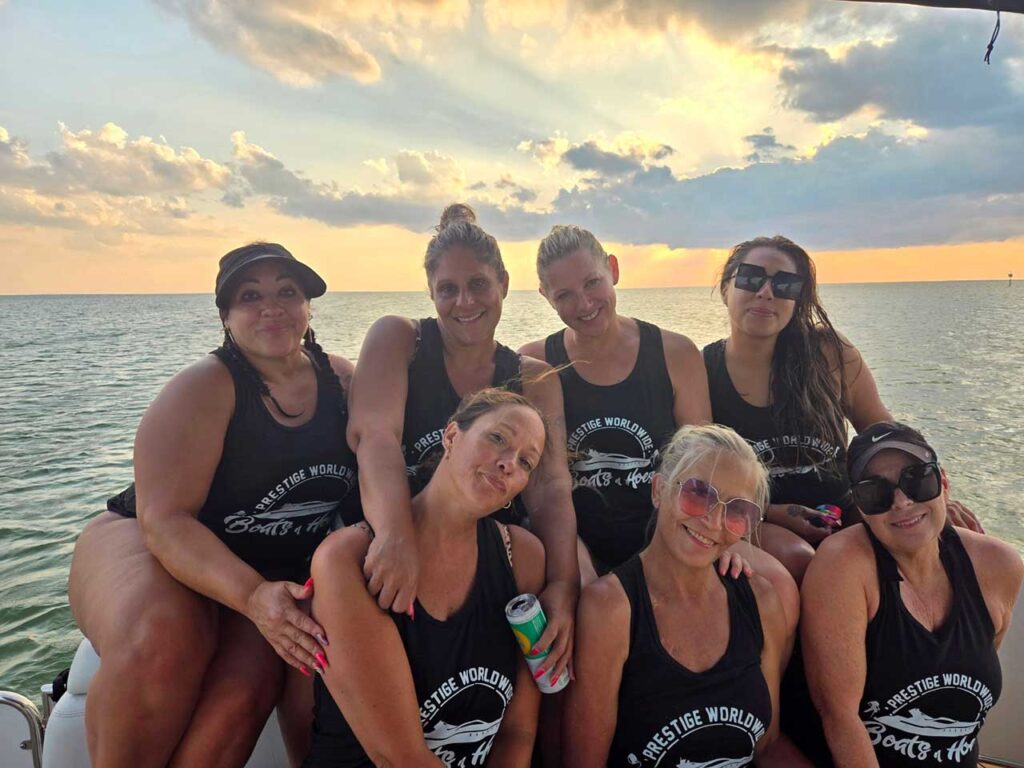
[700,540]
[762,313]
[581,289]
[467,295]
[491,461]
[268,313]
[908,525]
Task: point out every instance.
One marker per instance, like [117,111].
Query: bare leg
[588,572]
[786,547]
[243,683]
[295,715]
[155,638]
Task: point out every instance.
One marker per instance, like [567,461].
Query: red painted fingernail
[305,671]
[309,583]
[535,651]
[539,673]
[554,680]
[322,659]
[412,612]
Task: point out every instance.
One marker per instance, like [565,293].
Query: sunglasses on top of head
[785,285]
[919,482]
[697,498]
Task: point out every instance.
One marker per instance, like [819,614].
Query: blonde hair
[691,445]
[564,239]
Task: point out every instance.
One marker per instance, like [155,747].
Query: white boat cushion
[83,667]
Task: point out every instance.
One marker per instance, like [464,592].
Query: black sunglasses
[919,482]
[785,285]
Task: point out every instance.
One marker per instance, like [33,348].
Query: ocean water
[76,373]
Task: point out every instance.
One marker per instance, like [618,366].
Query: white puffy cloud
[306,42]
[104,180]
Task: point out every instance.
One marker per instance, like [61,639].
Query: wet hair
[693,444]
[458,228]
[564,239]
[802,381]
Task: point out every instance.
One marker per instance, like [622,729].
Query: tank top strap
[631,575]
[885,563]
[246,392]
[743,611]
[651,355]
[497,579]
[427,352]
[554,349]
[508,369]
[969,598]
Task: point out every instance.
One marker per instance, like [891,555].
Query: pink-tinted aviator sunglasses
[698,498]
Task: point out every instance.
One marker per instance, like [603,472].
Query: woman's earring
[508,504]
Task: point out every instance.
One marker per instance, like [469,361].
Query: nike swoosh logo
[880,437]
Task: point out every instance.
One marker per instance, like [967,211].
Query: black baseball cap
[881,436]
[234,262]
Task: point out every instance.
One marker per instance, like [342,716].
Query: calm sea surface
[76,373]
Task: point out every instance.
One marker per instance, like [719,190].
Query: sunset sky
[139,141]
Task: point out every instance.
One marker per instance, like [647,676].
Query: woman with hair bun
[410,379]
[190,586]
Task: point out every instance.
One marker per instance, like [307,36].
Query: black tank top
[806,469]
[431,400]
[276,488]
[615,433]
[463,669]
[927,694]
[670,716]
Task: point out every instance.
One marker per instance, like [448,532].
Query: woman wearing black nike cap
[902,615]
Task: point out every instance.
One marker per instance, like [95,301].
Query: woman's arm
[774,750]
[368,672]
[835,618]
[513,746]
[177,450]
[376,421]
[1000,572]
[691,401]
[592,705]
[548,498]
[863,405]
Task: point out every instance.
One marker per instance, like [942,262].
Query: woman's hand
[962,517]
[559,602]
[273,607]
[392,570]
[734,564]
[809,524]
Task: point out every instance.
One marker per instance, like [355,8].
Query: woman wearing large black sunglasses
[903,614]
[787,381]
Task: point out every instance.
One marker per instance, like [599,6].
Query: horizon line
[511,290]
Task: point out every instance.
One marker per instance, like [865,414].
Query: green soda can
[528,622]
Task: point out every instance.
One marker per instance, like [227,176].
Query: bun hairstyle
[803,378]
[458,228]
[564,239]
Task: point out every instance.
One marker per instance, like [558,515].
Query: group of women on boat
[682,516]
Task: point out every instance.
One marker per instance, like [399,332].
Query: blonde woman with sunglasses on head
[676,664]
